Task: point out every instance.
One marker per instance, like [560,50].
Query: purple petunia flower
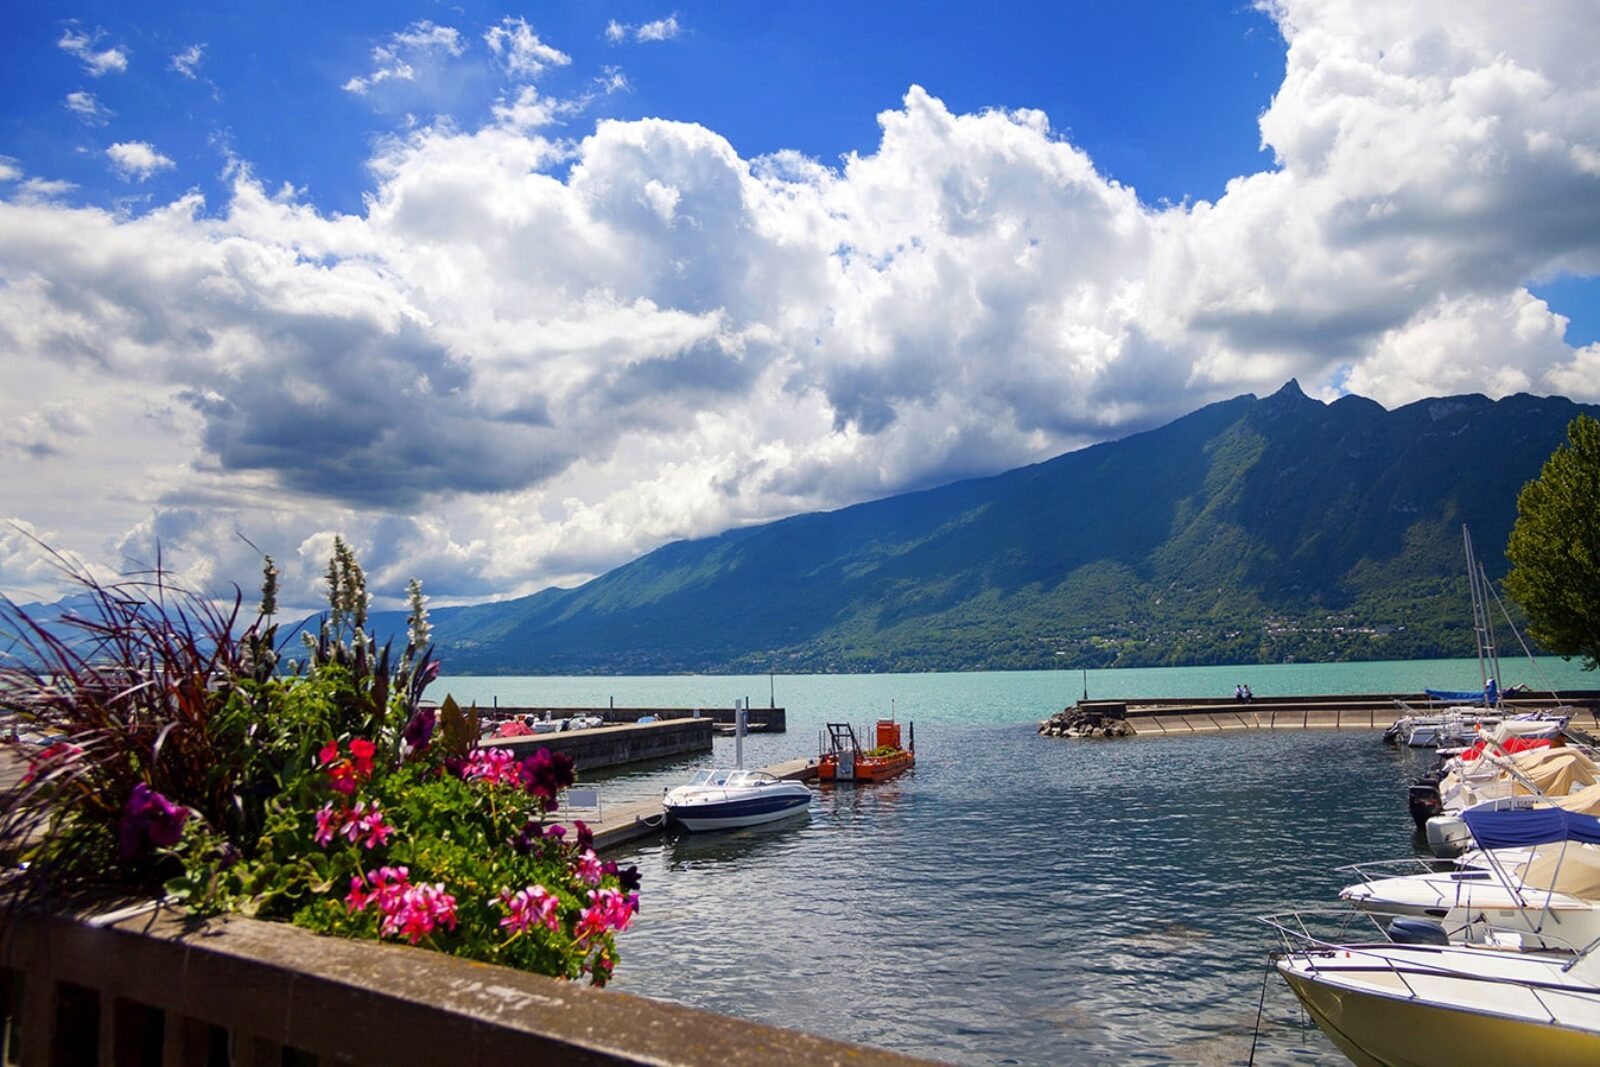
[419,731]
[546,773]
[149,817]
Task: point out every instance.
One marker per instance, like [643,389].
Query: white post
[738,735]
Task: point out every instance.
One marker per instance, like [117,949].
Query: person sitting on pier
[1248,696]
[1238,692]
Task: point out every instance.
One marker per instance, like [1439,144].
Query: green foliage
[331,798]
[1555,547]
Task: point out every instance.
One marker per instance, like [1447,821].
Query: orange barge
[844,761]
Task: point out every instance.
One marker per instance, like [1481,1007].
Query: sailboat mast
[1493,645]
[1477,607]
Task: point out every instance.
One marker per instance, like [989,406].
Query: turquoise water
[1015,899]
[1000,696]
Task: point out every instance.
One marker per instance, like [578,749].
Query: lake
[1016,899]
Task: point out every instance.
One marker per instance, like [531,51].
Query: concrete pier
[766,720]
[1174,716]
[611,746]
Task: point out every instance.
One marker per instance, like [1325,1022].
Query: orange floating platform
[844,760]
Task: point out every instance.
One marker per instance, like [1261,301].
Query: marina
[969,920]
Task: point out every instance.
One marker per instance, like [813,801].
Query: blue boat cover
[1539,826]
[1463,696]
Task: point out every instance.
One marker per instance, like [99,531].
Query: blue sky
[1162,95]
[509,295]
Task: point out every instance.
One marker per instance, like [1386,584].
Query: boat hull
[1384,1031]
[868,768]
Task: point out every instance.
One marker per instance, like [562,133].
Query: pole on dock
[1086,685]
[738,734]
[772,692]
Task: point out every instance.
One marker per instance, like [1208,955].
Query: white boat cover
[1585,801]
[1556,771]
[1574,871]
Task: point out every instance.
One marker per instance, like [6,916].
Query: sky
[509,295]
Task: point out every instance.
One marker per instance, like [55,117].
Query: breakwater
[1364,711]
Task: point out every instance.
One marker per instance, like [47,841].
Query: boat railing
[1529,897]
[1377,870]
[1298,939]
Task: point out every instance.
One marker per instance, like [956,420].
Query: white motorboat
[1449,835]
[1563,776]
[1453,727]
[1386,1004]
[726,799]
[1529,888]
[1425,998]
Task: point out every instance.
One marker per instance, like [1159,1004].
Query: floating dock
[1181,716]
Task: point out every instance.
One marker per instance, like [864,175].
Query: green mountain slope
[1270,529]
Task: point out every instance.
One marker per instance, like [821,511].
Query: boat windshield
[751,778]
[722,777]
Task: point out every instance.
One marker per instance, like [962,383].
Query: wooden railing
[160,989]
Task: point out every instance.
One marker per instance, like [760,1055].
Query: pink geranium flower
[533,906]
[586,868]
[328,822]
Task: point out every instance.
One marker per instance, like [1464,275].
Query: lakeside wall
[142,985]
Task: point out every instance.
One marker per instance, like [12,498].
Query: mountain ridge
[1251,529]
[1268,529]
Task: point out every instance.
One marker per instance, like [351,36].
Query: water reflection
[745,845]
[1015,899]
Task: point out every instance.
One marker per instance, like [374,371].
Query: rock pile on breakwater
[1078,721]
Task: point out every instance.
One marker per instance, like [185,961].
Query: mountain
[1251,530]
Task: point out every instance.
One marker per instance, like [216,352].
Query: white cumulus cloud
[95,62]
[137,160]
[187,61]
[520,49]
[88,108]
[658,30]
[397,58]
[530,357]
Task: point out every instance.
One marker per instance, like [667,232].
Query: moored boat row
[1492,960]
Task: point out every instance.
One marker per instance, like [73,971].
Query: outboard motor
[1408,930]
[1423,800]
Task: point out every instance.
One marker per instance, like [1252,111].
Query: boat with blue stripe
[719,799]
